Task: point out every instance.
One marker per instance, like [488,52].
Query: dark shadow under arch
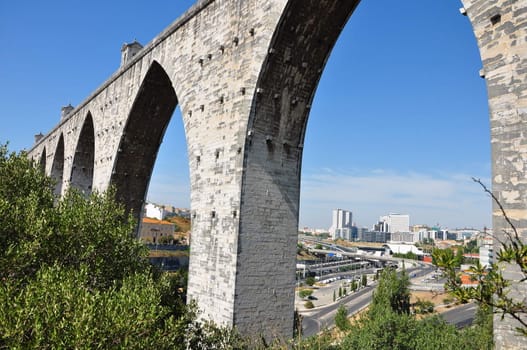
[57,169]
[82,170]
[142,136]
[42,161]
[301,45]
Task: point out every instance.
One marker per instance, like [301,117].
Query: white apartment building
[153,211]
[394,223]
[341,224]
[486,255]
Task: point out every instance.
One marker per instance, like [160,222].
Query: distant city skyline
[399,122]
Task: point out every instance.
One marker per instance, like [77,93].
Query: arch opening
[42,161]
[301,47]
[142,136]
[83,161]
[57,169]
[406,102]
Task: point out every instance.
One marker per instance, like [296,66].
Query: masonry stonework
[500,28]
[244,74]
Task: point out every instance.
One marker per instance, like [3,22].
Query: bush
[309,305]
[74,276]
[341,319]
[423,306]
[304,293]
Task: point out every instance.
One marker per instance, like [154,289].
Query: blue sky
[399,122]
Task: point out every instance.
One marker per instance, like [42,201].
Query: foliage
[388,324]
[341,319]
[428,241]
[493,288]
[297,328]
[37,230]
[409,255]
[181,224]
[166,240]
[400,331]
[392,293]
[304,293]
[459,256]
[471,247]
[385,327]
[74,276]
[299,248]
[56,310]
[423,306]
[309,304]
[310,280]
[364,280]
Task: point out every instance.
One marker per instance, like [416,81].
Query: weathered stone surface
[500,28]
[244,74]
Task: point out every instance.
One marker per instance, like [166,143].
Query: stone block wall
[500,28]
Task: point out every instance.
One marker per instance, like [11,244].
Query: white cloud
[452,200]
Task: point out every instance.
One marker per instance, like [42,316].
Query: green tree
[334,295]
[471,247]
[423,306]
[364,280]
[392,292]
[341,319]
[353,285]
[74,276]
[387,325]
[310,280]
[459,256]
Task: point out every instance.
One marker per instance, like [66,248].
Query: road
[461,316]
[316,321]
[324,317]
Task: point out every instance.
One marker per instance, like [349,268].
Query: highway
[315,321]
[461,316]
[324,317]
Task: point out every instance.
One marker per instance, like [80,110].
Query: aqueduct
[244,73]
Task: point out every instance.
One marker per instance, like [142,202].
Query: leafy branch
[493,289]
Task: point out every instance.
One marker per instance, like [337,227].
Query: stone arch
[299,49]
[142,136]
[57,168]
[42,160]
[83,161]
[301,44]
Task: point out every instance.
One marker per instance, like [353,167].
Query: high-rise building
[394,223]
[341,225]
